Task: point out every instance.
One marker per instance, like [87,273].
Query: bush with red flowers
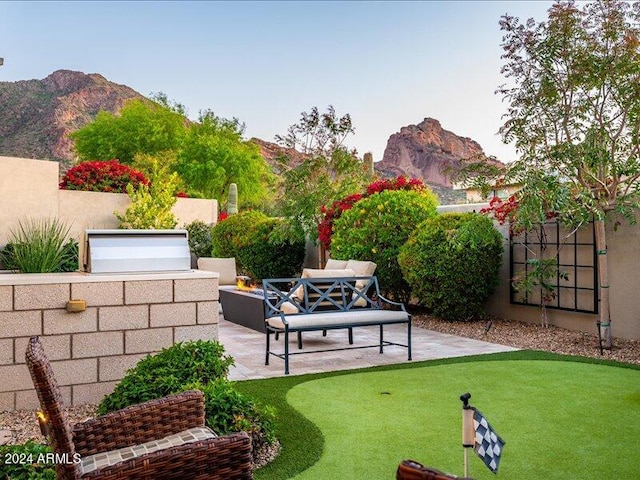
[102,176]
[331,214]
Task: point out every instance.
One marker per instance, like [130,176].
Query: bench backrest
[315,295]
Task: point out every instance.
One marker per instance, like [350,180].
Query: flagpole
[468,435]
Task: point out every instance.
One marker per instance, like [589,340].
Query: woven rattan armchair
[159,439]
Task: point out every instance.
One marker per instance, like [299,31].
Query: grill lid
[136,251]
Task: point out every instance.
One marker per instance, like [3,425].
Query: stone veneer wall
[127,317]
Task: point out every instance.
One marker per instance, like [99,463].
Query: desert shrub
[199,238]
[151,206]
[40,246]
[228,411]
[197,365]
[331,214]
[167,372]
[102,176]
[29,462]
[227,237]
[258,244]
[375,229]
[452,263]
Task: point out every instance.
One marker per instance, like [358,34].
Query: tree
[214,155]
[328,171]
[574,116]
[141,126]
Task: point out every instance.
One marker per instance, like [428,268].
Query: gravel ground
[20,426]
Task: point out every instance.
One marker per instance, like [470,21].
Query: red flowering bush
[505,211]
[502,211]
[331,214]
[102,176]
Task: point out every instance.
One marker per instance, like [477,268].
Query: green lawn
[560,419]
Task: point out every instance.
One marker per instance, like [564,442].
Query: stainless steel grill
[136,251]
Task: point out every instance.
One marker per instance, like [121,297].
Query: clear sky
[387,63]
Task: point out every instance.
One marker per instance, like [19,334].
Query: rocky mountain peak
[426,151]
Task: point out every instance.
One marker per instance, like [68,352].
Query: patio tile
[247,347]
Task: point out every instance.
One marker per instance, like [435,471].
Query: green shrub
[151,205]
[199,238]
[227,237]
[40,246]
[452,263]
[258,244]
[167,372]
[195,365]
[27,461]
[376,227]
[228,411]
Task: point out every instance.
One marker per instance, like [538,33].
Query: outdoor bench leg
[350,336]
[381,338]
[266,360]
[286,351]
[299,340]
[409,340]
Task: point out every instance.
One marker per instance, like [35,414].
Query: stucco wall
[29,188]
[624,281]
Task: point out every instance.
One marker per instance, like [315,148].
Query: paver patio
[247,347]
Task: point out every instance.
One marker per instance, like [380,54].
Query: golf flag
[488,444]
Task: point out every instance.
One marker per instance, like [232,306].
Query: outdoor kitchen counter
[97,326]
[9,278]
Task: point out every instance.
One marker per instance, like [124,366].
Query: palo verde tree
[214,155]
[142,126]
[328,170]
[574,115]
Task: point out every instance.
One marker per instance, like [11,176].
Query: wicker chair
[177,445]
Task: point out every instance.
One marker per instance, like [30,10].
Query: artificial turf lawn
[560,419]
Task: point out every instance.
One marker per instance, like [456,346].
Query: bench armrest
[391,302]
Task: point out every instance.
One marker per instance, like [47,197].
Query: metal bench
[296,305]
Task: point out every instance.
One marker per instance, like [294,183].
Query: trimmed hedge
[452,263]
[376,227]
[257,243]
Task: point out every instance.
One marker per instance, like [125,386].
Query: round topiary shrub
[375,229]
[452,263]
[258,245]
[228,236]
[102,176]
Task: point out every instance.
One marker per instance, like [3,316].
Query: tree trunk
[603,283]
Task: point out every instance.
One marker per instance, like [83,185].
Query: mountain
[426,151]
[36,116]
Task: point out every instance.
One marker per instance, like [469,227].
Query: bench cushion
[320,273]
[340,319]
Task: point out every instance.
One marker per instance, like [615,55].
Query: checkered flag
[488,444]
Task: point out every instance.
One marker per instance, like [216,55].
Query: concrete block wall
[127,317]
